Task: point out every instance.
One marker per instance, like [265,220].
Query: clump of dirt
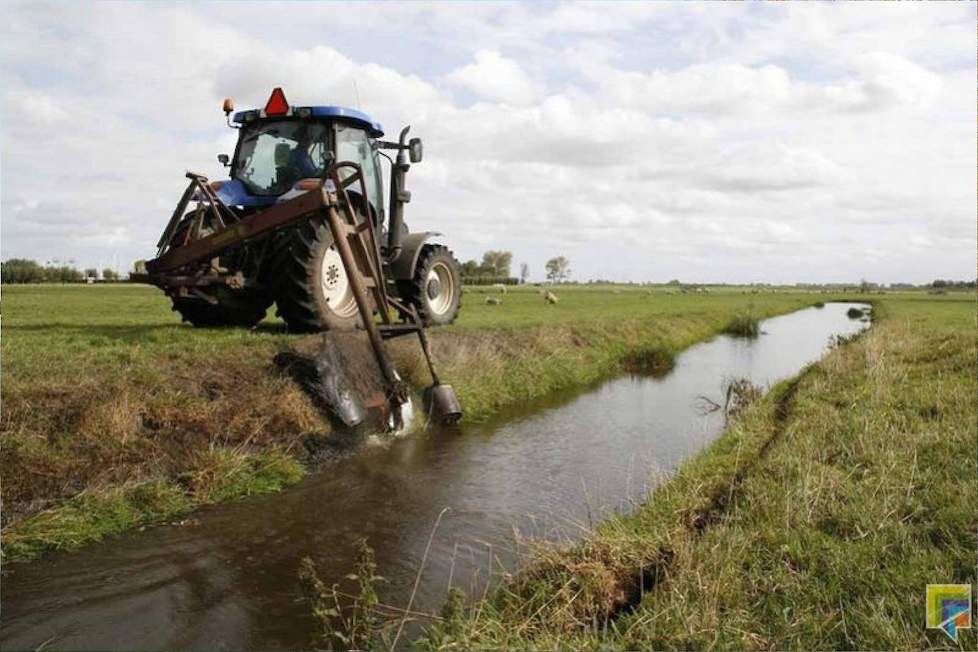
[339,372]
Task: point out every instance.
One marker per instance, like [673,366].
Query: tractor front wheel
[241,308]
[436,289]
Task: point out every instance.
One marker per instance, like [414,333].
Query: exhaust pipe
[398,198]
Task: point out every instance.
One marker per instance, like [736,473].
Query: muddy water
[227,579]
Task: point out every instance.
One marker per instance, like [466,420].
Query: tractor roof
[360,118]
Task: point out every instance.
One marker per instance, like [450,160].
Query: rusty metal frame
[245,229]
[199,187]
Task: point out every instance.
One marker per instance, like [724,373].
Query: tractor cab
[281,146]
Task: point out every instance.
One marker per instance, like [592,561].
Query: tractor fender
[402,268]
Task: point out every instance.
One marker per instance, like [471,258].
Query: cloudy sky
[708,142]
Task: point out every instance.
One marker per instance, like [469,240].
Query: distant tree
[21,270]
[524,272]
[558,269]
[939,283]
[110,274]
[91,272]
[497,263]
[674,281]
[470,268]
[62,274]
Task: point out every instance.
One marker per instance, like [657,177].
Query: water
[227,578]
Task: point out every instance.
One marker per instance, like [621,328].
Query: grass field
[814,522]
[116,415]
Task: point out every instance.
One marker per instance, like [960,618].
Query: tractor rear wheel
[312,291]
[436,289]
[234,308]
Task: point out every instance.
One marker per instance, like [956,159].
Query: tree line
[23,270]
[495,268]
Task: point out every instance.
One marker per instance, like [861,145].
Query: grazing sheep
[551,297]
[500,287]
[493,301]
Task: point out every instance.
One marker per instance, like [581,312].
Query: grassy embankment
[814,522]
[116,415]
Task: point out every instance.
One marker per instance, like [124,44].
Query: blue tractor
[252,240]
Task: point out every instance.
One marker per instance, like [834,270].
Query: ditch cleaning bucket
[441,405]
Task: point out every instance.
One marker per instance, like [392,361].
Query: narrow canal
[227,579]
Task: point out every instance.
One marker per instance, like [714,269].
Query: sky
[761,142]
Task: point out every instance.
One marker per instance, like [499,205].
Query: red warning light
[277,104]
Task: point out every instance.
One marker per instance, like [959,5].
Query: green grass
[814,522]
[103,387]
[90,517]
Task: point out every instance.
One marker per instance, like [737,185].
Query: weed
[346,621]
[743,325]
[740,394]
[649,360]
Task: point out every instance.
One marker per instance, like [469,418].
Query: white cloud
[495,77]
[782,143]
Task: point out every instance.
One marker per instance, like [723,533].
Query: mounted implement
[301,224]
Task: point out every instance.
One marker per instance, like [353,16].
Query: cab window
[274,155]
[352,144]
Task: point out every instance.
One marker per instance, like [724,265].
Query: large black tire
[310,286]
[241,308]
[436,288]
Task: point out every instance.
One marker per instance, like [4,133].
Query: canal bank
[814,522]
[110,422]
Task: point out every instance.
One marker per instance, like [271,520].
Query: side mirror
[224,160]
[415,150]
